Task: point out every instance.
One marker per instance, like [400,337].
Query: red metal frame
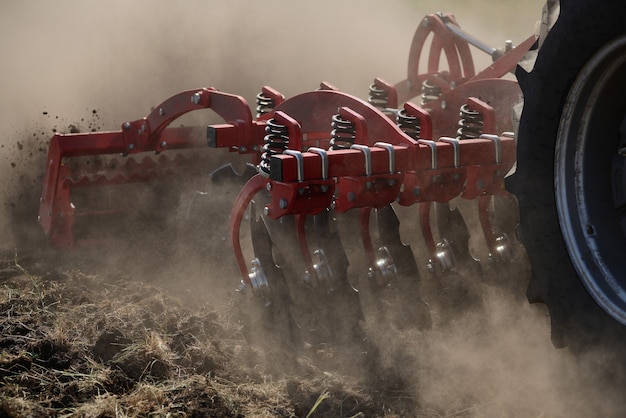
[384,166]
[305,183]
[56,212]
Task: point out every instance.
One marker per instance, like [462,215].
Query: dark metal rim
[589,173]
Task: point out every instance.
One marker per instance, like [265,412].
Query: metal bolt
[241,289]
[436,178]
[266,211]
[369,184]
[480,184]
[426,22]
[590,230]
[195,99]
[126,126]
[268,187]
[508,45]
[243,149]
[391,182]
[161,112]
[351,196]
[283,203]
[163,144]
[453,84]
[300,191]
[131,146]
[324,188]
[416,191]
[444,104]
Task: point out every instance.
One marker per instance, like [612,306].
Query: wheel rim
[590,177]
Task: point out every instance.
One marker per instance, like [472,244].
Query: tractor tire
[571,174]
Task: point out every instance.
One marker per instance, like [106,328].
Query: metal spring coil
[343,133]
[410,125]
[276,141]
[264,104]
[470,123]
[378,97]
[430,92]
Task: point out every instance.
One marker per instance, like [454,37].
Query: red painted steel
[384,165]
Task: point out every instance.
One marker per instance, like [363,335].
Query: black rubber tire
[583,28]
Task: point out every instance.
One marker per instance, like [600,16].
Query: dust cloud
[66,58]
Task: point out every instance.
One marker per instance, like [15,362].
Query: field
[151,326]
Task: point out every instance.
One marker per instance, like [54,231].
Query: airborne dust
[97,64]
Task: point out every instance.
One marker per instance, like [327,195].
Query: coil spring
[343,133]
[264,104]
[430,92]
[378,97]
[470,123]
[410,125]
[276,141]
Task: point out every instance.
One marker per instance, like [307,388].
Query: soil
[149,324]
[77,344]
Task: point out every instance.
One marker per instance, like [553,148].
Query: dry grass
[79,345]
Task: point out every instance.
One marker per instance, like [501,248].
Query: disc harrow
[335,177]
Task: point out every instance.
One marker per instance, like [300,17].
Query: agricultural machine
[337,186]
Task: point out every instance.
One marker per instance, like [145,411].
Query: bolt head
[266,211]
[283,203]
[444,105]
[126,126]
